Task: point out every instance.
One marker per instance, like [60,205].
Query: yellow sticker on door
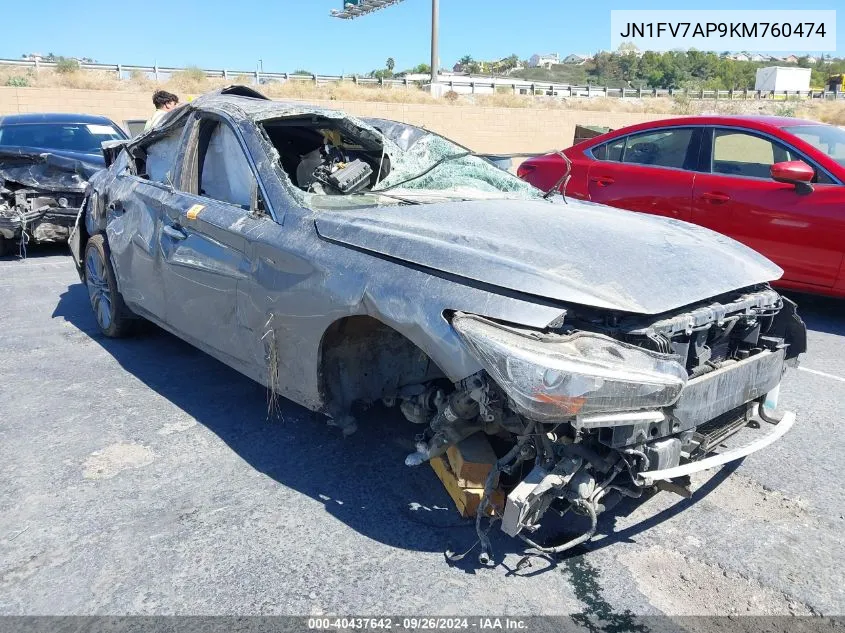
[194,211]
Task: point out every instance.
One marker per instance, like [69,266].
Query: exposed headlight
[553,377]
[62,202]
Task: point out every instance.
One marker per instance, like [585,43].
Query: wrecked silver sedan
[341,262]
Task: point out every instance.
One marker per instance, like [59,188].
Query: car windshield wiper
[386,195]
[434,165]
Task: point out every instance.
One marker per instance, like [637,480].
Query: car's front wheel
[113,317]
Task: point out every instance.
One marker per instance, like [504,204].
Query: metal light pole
[435,21]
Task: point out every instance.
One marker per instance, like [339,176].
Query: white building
[543,61]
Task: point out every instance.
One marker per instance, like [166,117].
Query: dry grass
[833,113]
[346,91]
[192,81]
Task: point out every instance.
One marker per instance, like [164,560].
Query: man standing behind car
[164,102]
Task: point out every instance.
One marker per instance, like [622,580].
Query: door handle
[174,232]
[602,181]
[115,206]
[716,198]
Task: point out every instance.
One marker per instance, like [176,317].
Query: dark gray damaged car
[341,262]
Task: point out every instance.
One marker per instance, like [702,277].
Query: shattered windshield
[457,173]
[432,169]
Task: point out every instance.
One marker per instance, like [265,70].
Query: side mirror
[795,172]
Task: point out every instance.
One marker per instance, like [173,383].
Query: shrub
[682,104]
[193,73]
[192,79]
[451,96]
[785,110]
[17,82]
[65,66]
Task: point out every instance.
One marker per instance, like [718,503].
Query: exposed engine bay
[40,196]
[322,156]
[603,406]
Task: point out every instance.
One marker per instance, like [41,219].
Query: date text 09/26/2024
[418,623]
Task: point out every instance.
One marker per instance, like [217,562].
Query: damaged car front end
[45,162]
[40,195]
[343,262]
[607,408]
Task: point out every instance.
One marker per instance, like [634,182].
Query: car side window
[661,148]
[612,150]
[160,158]
[225,173]
[615,149]
[740,153]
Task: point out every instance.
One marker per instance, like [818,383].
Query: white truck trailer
[780,78]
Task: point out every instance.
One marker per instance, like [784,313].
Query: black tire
[113,317]
[5,246]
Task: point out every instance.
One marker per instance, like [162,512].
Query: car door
[801,230]
[204,240]
[142,189]
[650,171]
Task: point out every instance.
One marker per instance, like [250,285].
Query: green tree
[628,67]
[510,62]
[606,68]
[422,69]
[390,64]
[650,70]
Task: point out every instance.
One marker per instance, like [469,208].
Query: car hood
[574,252]
[48,170]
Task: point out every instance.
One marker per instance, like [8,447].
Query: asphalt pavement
[140,476]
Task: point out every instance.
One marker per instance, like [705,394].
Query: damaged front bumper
[39,223]
[603,417]
[780,429]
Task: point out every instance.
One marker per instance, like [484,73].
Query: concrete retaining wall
[481,129]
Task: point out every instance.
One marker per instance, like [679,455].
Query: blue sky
[288,34]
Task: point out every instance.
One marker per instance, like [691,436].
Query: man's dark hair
[162,98]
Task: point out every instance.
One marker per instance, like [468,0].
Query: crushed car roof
[252,104]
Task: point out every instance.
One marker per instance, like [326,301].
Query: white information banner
[770,31]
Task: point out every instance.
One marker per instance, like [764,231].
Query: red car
[776,184]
